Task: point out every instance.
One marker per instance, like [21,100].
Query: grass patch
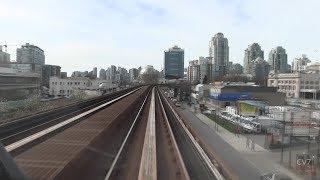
[222,122]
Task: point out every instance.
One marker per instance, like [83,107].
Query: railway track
[139,136]
[80,146]
[14,133]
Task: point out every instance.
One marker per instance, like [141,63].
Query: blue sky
[79,34]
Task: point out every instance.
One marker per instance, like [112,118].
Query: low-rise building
[225,94]
[49,71]
[15,85]
[297,84]
[63,74]
[68,86]
[313,67]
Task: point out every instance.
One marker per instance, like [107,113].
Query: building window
[56,83]
[307,82]
[60,83]
[311,82]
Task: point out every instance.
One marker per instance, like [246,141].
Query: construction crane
[6,46]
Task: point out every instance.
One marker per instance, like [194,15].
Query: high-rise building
[193,72]
[174,63]
[111,73]
[219,53]
[250,55]
[95,72]
[102,74]
[134,73]
[4,57]
[261,70]
[49,71]
[30,54]
[122,76]
[278,60]
[205,70]
[300,64]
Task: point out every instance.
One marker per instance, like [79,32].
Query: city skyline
[100,41]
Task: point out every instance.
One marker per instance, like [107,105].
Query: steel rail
[115,160]
[42,133]
[197,146]
[175,145]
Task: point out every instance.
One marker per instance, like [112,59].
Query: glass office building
[174,63]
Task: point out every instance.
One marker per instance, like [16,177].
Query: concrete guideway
[109,143]
[148,164]
[35,136]
[126,138]
[201,153]
[178,170]
[82,150]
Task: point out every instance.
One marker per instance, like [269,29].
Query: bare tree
[150,77]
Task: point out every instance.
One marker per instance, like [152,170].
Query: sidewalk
[238,143]
[262,158]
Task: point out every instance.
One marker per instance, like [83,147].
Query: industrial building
[229,93]
[68,86]
[16,85]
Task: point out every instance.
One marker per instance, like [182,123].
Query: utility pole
[282,137]
[309,133]
[318,149]
[291,135]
